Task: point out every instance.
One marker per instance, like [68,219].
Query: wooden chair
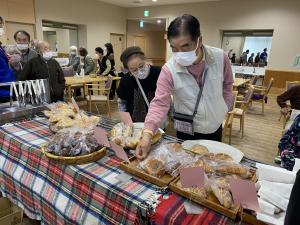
[290,84]
[242,108]
[99,93]
[261,94]
[227,125]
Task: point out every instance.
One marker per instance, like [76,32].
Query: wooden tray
[81,159]
[210,202]
[133,169]
[248,218]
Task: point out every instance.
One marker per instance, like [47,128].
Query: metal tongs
[36,94]
[28,84]
[21,94]
[16,92]
[43,91]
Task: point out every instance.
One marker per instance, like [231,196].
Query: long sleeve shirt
[292,95]
[161,103]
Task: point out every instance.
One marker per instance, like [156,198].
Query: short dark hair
[83,51]
[185,24]
[1,20]
[109,48]
[22,32]
[130,52]
[99,50]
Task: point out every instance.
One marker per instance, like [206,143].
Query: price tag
[120,153]
[126,118]
[192,177]
[244,193]
[101,136]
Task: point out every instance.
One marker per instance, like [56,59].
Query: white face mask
[1,31]
[73,53]
[142,73]
[186,58]
[47,55]
[22,47]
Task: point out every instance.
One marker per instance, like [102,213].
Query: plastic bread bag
[73,142]
[159,161]
[220,188]
[199,191]
[232,168]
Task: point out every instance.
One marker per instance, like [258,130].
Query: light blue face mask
[186,58]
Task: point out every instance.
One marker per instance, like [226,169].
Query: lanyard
[143,93]
[201,90]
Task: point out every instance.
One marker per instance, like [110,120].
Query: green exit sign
[146,13]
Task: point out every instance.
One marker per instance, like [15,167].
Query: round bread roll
[223,156]
[199,149]
[155,167]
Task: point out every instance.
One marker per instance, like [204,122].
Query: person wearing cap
[74,59]
[138,86]
[200,79]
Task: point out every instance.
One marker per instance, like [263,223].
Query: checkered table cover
[86,194]
[80,194]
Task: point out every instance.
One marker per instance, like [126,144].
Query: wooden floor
[262,132]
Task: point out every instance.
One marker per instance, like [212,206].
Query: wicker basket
[81,159]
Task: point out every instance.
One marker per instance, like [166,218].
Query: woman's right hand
[143,148]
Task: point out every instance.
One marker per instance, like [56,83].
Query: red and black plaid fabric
[171,211]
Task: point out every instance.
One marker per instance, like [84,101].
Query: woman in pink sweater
[200,79]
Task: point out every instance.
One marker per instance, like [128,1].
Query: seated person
[134,60]
[104,64]
[45,67]
[289,145]
[22,39]
[74,59]
[292,95]
[86,62]
[6,74]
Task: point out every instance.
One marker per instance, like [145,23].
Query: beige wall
[16,11]
[282,16]
[100,19]
[154,38]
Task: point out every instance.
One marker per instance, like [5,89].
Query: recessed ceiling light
[154,0]
[158,21]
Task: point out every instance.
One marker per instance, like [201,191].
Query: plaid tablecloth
[80,194]
[64,194]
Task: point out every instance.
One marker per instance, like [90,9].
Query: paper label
[192,177]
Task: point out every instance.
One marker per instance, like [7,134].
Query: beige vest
[212,107]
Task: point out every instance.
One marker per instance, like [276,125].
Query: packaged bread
[200,192]
[204,165]
[225,167]
[222,194]
[199,149]
[223,156]
[155,167]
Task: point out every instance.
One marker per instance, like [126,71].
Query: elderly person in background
[22,39]
[74,59]
[33,44]
[45,67]
[6,74]
[14,56]
[86,62]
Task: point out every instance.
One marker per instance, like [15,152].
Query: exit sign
[146,13]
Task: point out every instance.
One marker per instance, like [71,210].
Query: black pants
[216,136]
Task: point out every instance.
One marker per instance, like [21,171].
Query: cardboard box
[9,213]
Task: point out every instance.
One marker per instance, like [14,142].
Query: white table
[248,70]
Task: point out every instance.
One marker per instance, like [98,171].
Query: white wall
[154,38]
[100,19]
[282,16]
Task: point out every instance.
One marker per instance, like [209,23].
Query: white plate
[216,147]
[140,125]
